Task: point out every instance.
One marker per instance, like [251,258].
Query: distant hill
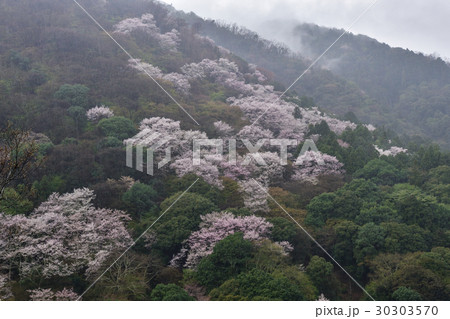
[392,87]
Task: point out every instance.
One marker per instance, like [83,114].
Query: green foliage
[348,202]
[345,232]
[181,220]
[319,209]
[417,208]
[377,214]
[361,150]
[48,185]
[438,183]
[110,142]
[171,233]
[13,203]
[170,292]
[390,272]
[406,294]
[118,127]
[269,256]
[297,276]
[73,95]
[190,205]
[258,285]
[139,199]
[369,241]
[283,229]
[78,114]
[174,185]
[19,60]
[381,173]
[384,232]
[401,238]
[230,257]
[321,273]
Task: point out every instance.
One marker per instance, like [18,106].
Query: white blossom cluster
[5,290]
[310,170]
[67,234]
[49,295]
[179,81]
[99,112]
[393,151]
[314,116]
[168,41]
[214,228]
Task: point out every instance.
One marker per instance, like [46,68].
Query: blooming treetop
[179,81]
[49,295]
[5,291]
[214,228]
[99,112]
[64,235]
[255,195]
[310,167]
[393,151]
[168,41]
[223,129]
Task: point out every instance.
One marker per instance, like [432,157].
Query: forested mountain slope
[70,102]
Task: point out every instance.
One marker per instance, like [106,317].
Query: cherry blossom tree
[255,195]
[343,144]
[254,133]
[223,129]
[287,246]
[5,291]
[205,39]
[312,164]
[270,168]
[222,71]
[235,171]
[50,295]
[322,298]
[208,169]
[393,151]
[179,81]
[146,68]
[168,41]
[214,228]
[256,74]
[146,23]
[166,133]
[64,235]
[314,116]
[99,112]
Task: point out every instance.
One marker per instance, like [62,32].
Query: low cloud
[414,24]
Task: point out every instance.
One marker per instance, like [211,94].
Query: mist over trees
[379,203]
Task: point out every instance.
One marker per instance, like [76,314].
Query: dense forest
[77,224]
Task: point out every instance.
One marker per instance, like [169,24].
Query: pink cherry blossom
[49,295]
[64,235]
[5,290]
[214,228]
[99,112]
[168,41]
[393,151]
[310,167]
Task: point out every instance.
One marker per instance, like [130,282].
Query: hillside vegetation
[71,100]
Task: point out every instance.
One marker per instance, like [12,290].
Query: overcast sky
[419,25]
